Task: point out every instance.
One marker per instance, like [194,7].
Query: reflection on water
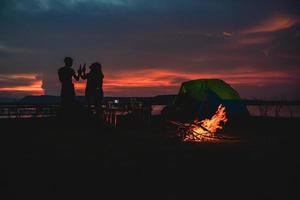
[285,111]
[156,109]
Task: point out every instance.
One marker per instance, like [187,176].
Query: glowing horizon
[157,78]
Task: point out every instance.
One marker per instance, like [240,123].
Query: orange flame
[206,129]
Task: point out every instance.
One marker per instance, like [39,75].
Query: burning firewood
[203,130]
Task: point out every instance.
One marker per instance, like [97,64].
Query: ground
[42,159]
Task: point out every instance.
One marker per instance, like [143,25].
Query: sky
[149,48]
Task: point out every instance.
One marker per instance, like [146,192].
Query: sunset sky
[149,47]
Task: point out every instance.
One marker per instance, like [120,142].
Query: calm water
[254,111]
[285,111]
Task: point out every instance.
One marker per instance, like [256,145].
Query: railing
[111,115]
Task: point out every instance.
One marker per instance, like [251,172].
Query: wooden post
[277,110]
[291,111]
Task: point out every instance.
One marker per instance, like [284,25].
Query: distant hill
[8,100]
[43,99]
[49,99]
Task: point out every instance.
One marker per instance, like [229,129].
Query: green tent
[201,98]
[198,89]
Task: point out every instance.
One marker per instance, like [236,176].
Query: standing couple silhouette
[93,90]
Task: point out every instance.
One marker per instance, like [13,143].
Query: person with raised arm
[66,75]
[94,86]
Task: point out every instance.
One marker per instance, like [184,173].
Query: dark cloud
[193,35]
[12,81]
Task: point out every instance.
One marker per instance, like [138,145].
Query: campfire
[207,128]
[203,130]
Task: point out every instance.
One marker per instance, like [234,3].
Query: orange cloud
[149,82]
[274,23]
[162,80]
[32,86]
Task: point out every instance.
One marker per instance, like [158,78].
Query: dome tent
[201,98]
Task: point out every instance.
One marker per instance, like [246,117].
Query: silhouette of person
[93,91]
[66,74]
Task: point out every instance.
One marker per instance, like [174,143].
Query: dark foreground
[40,159]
